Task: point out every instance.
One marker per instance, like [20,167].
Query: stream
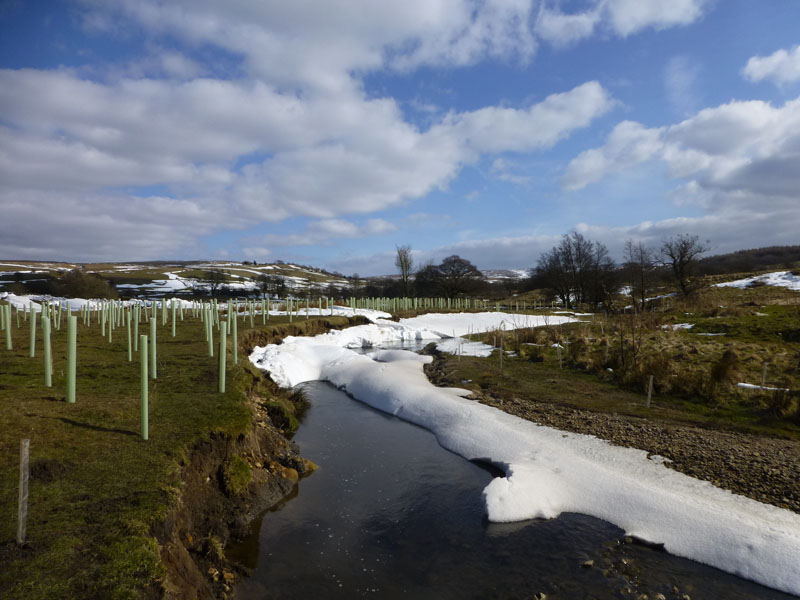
[390,514]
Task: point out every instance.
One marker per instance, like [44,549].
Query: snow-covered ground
[778,279]
[548,471]
[300,359]
[173,283]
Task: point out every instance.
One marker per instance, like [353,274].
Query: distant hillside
[757,259]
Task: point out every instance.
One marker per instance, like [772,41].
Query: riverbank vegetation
[698,352]
[103,501]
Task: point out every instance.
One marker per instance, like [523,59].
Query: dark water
[390,514]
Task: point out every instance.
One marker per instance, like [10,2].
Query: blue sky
[329,133]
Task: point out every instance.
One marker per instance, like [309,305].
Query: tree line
[579,271]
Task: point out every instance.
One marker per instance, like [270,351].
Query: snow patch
[778,279]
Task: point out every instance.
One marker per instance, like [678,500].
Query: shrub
[576,352]
[783,402]
[79,284]
[723,370]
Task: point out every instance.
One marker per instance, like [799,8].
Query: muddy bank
[214,507]
[762,468]
[226,482]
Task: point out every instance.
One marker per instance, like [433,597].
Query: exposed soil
[208,514]
[759,467]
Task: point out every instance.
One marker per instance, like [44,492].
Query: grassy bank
[97,490]
[696,351]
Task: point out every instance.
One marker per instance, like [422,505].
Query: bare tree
[404,264]
[550,273]
[577,271]
[457,276]
[639,267]
[681,253]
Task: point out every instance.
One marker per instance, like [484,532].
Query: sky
[330,132]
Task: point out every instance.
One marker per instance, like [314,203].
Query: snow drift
[549,471]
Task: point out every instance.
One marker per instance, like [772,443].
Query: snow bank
[344,311]
[549,471]
[463,347]
[76,304]
[778,279]
[300,359]
[455,324]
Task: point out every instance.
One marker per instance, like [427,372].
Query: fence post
[24,477]
[764,374]
[649,391]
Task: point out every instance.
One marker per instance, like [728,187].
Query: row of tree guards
[113,315]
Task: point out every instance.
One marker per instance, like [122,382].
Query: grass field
[97,489]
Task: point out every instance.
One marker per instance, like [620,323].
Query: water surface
[391,514]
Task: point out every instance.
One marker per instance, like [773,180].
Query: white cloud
[564,29]
[681,77]
[325,158]
[781,67]
[631,16]
[750,147]
[326,231]
[617,17]
[628,144]
[55,225]
[294,112]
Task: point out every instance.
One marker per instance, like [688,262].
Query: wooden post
[764,375]
[144,389]
[24,477]
[558,350]
[649,391]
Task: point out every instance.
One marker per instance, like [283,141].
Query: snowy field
[778,279]
[548,471]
